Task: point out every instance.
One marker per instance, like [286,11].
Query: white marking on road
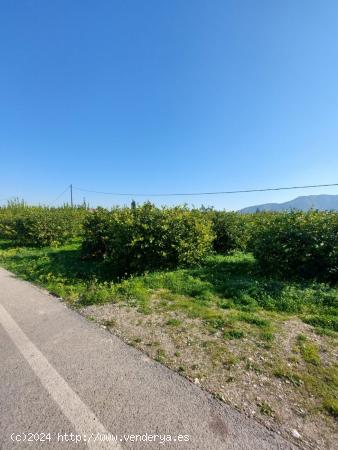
[83,419]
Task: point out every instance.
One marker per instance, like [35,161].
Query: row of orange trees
[285,244]
[145,237]
[40,226]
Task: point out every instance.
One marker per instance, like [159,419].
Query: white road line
[83,419]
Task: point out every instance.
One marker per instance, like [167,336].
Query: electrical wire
[59,196]
[206,193]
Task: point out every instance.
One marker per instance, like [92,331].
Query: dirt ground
[240,372]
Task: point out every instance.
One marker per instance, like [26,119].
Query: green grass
[233,334]
[331,406]
[225,292]
[322,382]
[267,336]
[254,320]
[226,295]
[318,380]
[174,322]
[288,375]
[308,350]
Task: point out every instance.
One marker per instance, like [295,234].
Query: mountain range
[303,203]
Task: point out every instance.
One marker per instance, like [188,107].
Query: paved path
[61,374]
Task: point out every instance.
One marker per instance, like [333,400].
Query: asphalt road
[64,379]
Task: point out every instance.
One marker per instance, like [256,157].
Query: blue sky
[168,96]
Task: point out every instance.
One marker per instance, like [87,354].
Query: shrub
[324,321]
[297,244]
[231,230]
[40,226]
[146,237]
[7,216]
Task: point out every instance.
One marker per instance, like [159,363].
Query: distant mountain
[304,203]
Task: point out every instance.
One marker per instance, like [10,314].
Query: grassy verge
[264,345]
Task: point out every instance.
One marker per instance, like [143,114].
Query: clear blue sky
[170,95]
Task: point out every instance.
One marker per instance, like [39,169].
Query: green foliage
[40,226]
[266,409]
[143,238]
[322,382]
[286,245]
[232,231]
[174,322]
[267,336]
[221,285]
[160,355]
[233,334]
[324,321]
[225,295]
[254,320]
[180,282]
[331,406]
[296,244]
[308,350]
[288,375]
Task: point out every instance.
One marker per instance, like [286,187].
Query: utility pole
[71,195]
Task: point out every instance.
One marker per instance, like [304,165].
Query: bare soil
[240,372]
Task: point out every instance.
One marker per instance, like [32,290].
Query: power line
[57,198]
[242,191]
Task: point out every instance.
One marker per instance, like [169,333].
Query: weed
[289,376]
[267,336]
[174,322]
[229,360]
[218,323]
[160,355]
[323,321]
[109,322]
[266,409]
[325,332]
[308,350]
[218,396]
[254,320]
[331,406]
[251,365]
[233,334]
[301,338]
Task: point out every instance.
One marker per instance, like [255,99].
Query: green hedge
[297,244]
[232,231]
[144,238]
[288,245]
[40,226]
